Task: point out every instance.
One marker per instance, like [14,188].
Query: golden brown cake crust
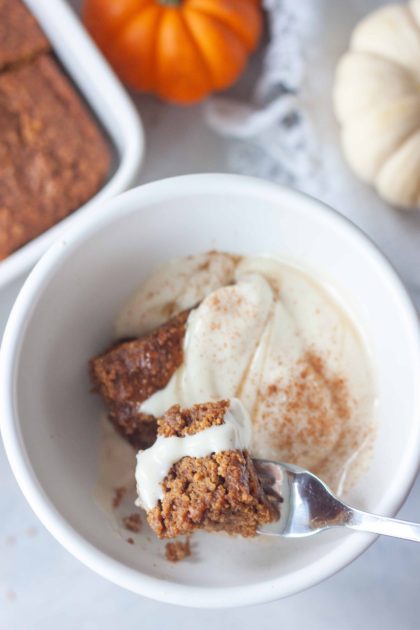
[21,38]
[220,492]
[53,157]
[131,371]
[181,422]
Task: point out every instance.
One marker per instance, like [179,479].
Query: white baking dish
[110,104]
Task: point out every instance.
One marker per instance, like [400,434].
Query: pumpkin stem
[170,3]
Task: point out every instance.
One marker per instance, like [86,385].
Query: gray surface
[43,587]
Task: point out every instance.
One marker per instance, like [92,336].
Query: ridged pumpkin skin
[181,50]
[377,102]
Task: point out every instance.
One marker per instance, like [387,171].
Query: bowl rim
[164,590]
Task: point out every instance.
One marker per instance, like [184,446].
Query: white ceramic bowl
[110,104]
[64,315]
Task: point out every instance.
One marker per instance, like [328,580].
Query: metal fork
[307,506]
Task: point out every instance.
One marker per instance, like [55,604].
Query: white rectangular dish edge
[110,104]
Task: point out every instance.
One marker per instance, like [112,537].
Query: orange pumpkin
[180,50]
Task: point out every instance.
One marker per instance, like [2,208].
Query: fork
[307,506]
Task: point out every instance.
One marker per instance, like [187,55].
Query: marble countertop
[43,587]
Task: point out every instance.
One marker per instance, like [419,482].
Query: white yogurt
[222,336]
[177,285]
[274,337]
[154,463]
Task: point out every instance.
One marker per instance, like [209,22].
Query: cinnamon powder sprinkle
[313,391]
[316,413]
[272,389]
[337,385]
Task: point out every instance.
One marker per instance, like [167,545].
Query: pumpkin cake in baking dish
[53,156]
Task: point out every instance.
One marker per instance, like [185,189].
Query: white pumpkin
[377,101]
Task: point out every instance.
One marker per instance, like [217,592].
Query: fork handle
[362,521]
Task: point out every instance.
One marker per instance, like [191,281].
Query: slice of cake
[21,38]
[131,371]
[53,157]
[199,474]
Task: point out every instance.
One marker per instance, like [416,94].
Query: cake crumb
[133,522]
[130,541]
[31,532]
[178,550]
[118,496]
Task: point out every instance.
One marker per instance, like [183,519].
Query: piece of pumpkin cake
[199,474]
